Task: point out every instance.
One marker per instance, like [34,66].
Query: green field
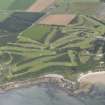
[36,32]
[86,8]
[5,4]
[15,4]
[21,4]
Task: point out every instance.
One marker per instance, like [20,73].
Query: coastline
[93,78]
[83,84]
[62,83]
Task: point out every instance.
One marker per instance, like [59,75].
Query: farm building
[58,19]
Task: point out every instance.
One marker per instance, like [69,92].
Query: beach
[93,78]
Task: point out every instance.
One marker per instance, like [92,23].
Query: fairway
[78,7]
[40,5]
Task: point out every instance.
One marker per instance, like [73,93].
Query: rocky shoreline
[71,87]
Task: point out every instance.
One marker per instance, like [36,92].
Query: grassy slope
[36,32]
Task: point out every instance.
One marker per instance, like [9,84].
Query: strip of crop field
[19,21]
[21,4]
[4,4]
[84,7]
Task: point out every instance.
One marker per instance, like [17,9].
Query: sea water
[38,95]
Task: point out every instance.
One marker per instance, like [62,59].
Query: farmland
[40,5]
[16,23]
[4,4]
[29,48]
[21,4]
[86,8]
[59,19]
[15,4]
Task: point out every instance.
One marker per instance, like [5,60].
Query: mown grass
[36,32]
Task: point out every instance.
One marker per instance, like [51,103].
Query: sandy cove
[93,78]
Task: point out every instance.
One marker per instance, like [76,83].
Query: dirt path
[40,5]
